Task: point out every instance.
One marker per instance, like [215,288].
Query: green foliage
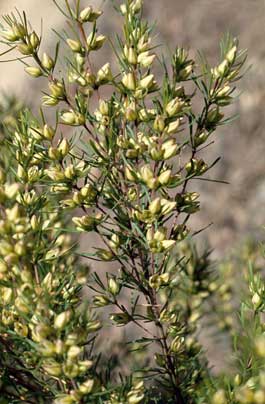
[124,174]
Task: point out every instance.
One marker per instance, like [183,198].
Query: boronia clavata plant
[126,174]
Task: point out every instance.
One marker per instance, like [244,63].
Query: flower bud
[129,81]
[173,107]
[74,45]
[25,49]
[104,74]
[231,54]
[34,40]
[113,286]
[33,71]
[87,386]
[147,82]
[61,320]
[173,127]
[47,61]
[132,56]
[48,132]
[155,206]
[89,15]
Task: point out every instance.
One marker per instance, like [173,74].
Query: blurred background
[236,210]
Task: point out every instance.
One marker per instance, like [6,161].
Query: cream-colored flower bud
[170,149]
[69,118]
[219,397]
[33,71]
[9,35]
[113,286]
[87,386]
[173,127]
[73,352]
[168,244]
[47,61]
[159,123]
[222,68]
[130,174]
[62,319]
[49,101]
[132,56]
[25,49]
[147,82]
[256,300]
[104,74]
[146,173]
[164,177]
[33,173]
[57,89]
[145,60]
[65,399]
[70,172]
[6,295]
[123,9]
[135,398]
[52,367]
[75,46]
[176,344]
[167,206]
[64,147]
[34,40]
[101,301]
[128,81]
[95,43]
[48,132]
[155,206]
[21,173]
[103,107]
[19,30]
[260,346]
[231,54]
[89,15]
[173,107]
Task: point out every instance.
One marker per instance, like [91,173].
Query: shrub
[124,175]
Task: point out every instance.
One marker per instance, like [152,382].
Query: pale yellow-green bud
[47,348]
[173,107]
[219,397]
[167,244]
[164,177]
[25,49]
[145,60]
[147,82]
[120,318]
[104,74]
[160,234]
[230,56]
[146,173]
[237,380]
[61,320]
[155,206]
[130,174]
[49,101]
[21,173]
[100,301]
[259,397]
[57,89]
[89,15]
[176,344]
[19,30]
[47,61]
[135,7]
[170,149]
[21,329]
[69,118]
[53,368]
[73,352]
[123,9]
[74,45]
[9,35]
[113,286]
[6,295]
[159,123]
[128,81]
[65,399]
[256,300]
[156,281]
[167,206]
[222,68]
[86,387]
[33,71]
[34,40]
[132,56]
[95,43]
[64,147]
[135,398]
[103,107]
[260,346]
[48,132]
[173,127]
